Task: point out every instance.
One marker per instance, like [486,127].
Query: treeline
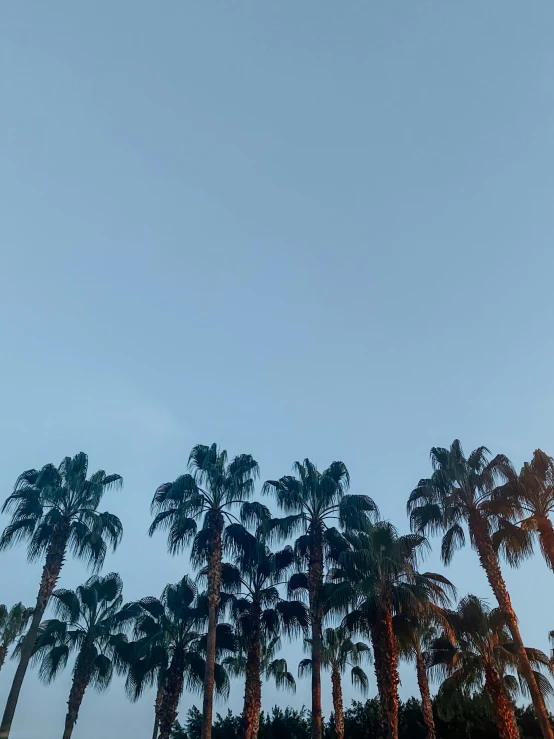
[328,570]
[469,717]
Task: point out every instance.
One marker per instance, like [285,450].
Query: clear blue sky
[297,229]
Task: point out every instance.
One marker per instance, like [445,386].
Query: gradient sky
[297,229]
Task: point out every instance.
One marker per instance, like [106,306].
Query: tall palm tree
[259,611]
[213,488]
[459,490]
[271,666]
[338,653]
[56,510]
[12,624]
[528,500]
[481,654]
[169,648]
[375,581]
[313,499]
[87,621]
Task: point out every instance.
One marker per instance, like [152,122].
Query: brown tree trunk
[489,562]
[172,693]
[426,704]
[390,676]
[253,683]
[505,719]
[337,702]
[215,551]
[378,659]
[3,654]
[55,556]
[81,678]
[315,585]
[546,535]
[256,727]
[157,708]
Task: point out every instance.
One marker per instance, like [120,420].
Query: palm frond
[304,667]
[359,678]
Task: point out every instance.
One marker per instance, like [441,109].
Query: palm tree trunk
[546,536]
[377,665]
[505,719]
[214,587]
[489,562]
[3,654]
[157,707]
[337,702]
[81,679]
[253,683]
[315,585]
[256,727]
[378,659]
[172,693]
[390,676]
[55,556]
[426,704]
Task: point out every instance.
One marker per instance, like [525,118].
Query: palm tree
[214,487]
[460,490]
[312,500]
[252,595]
[271,667]
[481,654]
[528,499]
[12,624]
[87,621]
[414,637]
[169,648]
[338,653]
[56,509]
[377,580]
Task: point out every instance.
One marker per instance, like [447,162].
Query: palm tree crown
[339,652]
[458,491]
[87,619]
[480,640]
[252,581]
[169,647]
[62,502]
[271,666]
[528,500]
[12,624]
[480,652]
[211,489]
[314,498]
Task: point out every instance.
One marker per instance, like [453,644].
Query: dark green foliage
[13,623]
[467,718]
[87,621]
[528,725]
[176,621]
[285,723]
[61,501]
